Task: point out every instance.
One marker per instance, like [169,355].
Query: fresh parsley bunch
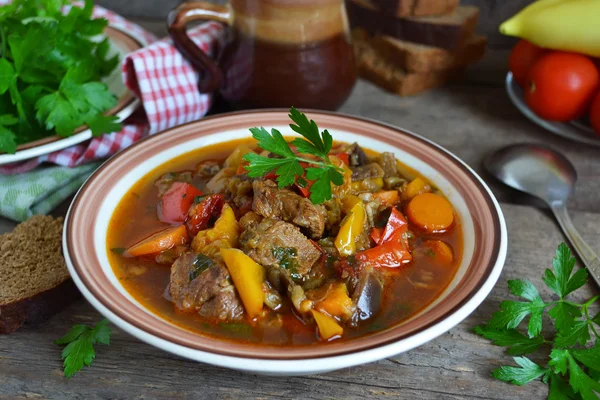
[573,368]
[287,162]
[51,64]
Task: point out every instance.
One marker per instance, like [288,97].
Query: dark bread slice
[415,57]
[447,31]
[374,68]
[35,283]
[416,8]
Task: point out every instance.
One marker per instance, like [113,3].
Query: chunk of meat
[272,202]
[249,219]
[357,156]
[208,292]
[274,243]
[389,164]
[367,171]
[207,168]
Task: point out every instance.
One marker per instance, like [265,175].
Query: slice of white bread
[34,281]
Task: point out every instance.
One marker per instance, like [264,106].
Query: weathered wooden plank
[455,365]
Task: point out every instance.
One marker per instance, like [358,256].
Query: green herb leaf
[560,281]
[100,124]
[287,165]
[517,343]
[527,372]
[581,382]
[7,75]
[559,390]
[578,332]
[563,315]
[80,341]
[588,357]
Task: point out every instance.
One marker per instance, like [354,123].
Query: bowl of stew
[184,241]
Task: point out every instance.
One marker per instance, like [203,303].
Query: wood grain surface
[470,118]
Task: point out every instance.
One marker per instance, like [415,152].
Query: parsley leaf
[527,372]
[80,341]
[513,312]
[7,136]
[560,281]
[573,367]
[517,343]
[287,162]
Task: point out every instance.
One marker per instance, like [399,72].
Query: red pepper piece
[387,255]
[176,202]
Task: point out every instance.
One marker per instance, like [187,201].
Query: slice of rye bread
[35,283]
[416,8]
[374,68]
[449,32]
[421,58]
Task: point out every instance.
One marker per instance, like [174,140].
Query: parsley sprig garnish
[573,366]
[287,162]
[80,341]
[50,70]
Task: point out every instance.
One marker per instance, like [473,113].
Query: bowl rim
[438,326]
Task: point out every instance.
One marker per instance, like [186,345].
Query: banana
[569,25]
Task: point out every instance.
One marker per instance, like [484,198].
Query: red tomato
[522,57]
[595,114]
[561,86]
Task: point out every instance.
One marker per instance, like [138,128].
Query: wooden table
[470,119]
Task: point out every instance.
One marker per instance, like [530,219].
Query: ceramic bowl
[484,232]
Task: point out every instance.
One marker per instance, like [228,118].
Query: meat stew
[211,249]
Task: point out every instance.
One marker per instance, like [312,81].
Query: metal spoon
[549,176]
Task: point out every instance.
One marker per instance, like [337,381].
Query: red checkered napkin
[161,78]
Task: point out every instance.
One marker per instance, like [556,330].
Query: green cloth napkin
[40,190]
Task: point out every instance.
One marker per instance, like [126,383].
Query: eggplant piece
[357,156]
[367,295]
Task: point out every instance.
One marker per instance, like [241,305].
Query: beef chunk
[272,202]
[389,164]
[205,289]
[367,171]
[274,243]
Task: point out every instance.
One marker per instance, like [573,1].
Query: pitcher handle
[177,22]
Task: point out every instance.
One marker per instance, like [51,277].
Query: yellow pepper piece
[350,201]
[235,158]
[337,303]
[416,187]
[352,226]
[328,327]
[224,234]
[340,191]
[248,278]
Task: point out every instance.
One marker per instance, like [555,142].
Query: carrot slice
[439,251]
[430,212]
[160,241]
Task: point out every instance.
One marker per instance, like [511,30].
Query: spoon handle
[588,256]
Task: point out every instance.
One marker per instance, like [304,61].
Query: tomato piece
[201,214]
[561,86]
[176,202]
[522,57]
[345,157]
[595,114]
[387,255]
